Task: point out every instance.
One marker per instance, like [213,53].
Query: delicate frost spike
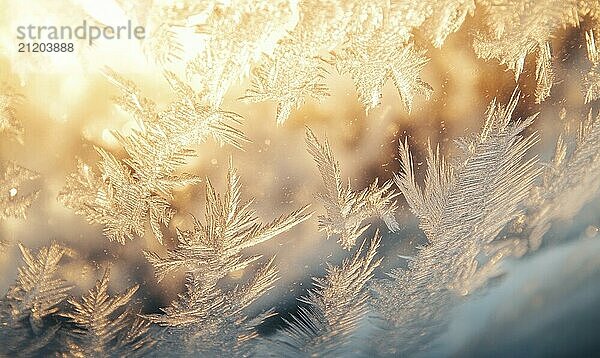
[213,249]
[192,121]
[127,193]
[544,74]
[206,321]
[570,181]
[335,308]
[347,210]
[235,35]
[288,78]
[445,18]
[591,81]
[462,208]
[35,296]
[372,63]
[106,326]
[427,204]
[38,291]
[132,101]
[13,201]
[206,318]
[517,28]
[163,45]
[186,121]
[9,124]
[115,199]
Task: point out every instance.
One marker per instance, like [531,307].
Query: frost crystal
[373,63]
[234,36]
[160,20]
[327,325]
[288,78]
[13,201]
[8,119]
[462,208]
[591,81]
[207,318]
[36,295]
[346,209]
[516,28]
[126,193]
[115,199]
[445,17]
[570,181]
[104,329]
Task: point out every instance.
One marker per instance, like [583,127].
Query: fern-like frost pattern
[348,210]
[207,318]
[334,310]
[462,208]
[125,194]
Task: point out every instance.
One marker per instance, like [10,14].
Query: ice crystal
[106,326]
[591,81]
[235,36]
[289,77]
[36,295]
[13,198]
[570,181]
[327,325]
[544,74]
[126,193]
[462,208]
[213,249]
[38,291]
[445,17]
[372,41]
[186,121]
[373,63]
[368,37]
[230,37]
[347,210]
[205,318]
[296,70]
[115,200]
[517,28]
[208,321]
[99,325]
[8,119]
